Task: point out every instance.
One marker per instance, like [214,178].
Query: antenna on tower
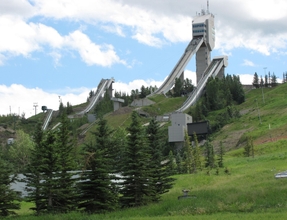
[207,11]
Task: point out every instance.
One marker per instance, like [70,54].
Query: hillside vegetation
[245,188]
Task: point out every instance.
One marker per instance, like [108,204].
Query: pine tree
[178,87]
[104,106]
[249,148]
[196,155]
[273,80]
[9,199]
[188,153]
[172,165]
[266,84]
[65,160]
[160,178]
[119,142]
[33,175]
[135,187]
[97,193]
[220,155]
[255,82]
[209,155]
[49,170]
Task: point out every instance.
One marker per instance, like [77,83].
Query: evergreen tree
[197,114]
[178,87]
[179,163]
[65,160]
[273,80]
[172,165]
[135,187]
[237,91]
[160,182]
[49,170]
[220,155]
[97,193]
[119,142]
[209,155]
[196,164]
[255,82]
[144,92]
[9,199]
[188,87]
[249,148]
[33,174]
[61,107]
[69,108]
[269,78]
[104,106]
[187,153]
[266,84]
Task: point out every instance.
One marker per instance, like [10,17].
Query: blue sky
[52,48]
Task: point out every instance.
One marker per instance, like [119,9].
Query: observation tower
[203,27]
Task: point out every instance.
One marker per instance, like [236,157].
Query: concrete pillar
[202,61]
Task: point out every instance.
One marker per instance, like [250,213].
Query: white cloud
[246,79]
[155,23]
[143,23]
[21,38]
[16,7]
[90,52]
[117,29]
[190,75]
[248,63]
[21,99]
[133,85]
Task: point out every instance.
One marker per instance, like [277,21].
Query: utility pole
[262,85]
[258,111]
[35,106]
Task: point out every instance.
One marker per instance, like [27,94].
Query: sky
[52,50]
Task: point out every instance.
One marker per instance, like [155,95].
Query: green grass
[164,105]
[249,192]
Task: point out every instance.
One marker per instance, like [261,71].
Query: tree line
[192,158]
[220,94]
[268,80]
[130,97]
[119,168]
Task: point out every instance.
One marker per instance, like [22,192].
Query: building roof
[201,18]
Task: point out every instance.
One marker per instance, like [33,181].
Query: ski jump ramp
[215,68]
[102,87]
[47,119]
[190,50]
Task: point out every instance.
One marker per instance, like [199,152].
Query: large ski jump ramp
[190,50]
[103,85]
[211,71]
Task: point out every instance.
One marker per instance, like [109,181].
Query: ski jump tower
[201,45]
[203,27]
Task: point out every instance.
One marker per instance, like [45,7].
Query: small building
[179,123]
[117,103]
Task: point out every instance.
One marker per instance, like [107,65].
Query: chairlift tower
[35,105]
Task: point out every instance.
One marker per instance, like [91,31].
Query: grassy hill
[248,191]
